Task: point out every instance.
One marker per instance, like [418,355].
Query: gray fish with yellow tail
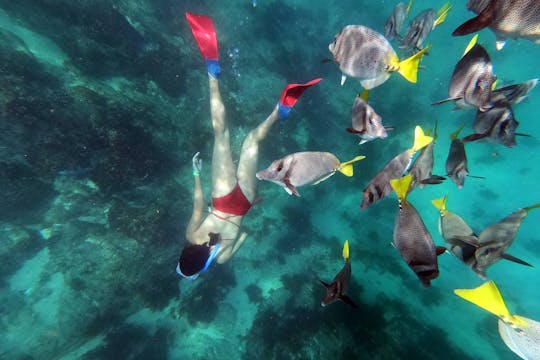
[453,228]
[422,167]
[472,80]
[457,167]
[393,24]
[411,237]
[494,240]
[496,125]
[367,55]
[337,289]
[421,26]
[308,167]
[379,186]
[520,334]
[512,19]
[366,123]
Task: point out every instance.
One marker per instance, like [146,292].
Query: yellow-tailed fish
[366,123]
[422,25]
[337,289]
[422,167]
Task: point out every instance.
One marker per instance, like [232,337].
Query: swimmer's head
[195,259]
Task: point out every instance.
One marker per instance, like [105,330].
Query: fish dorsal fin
[470,45]
[454,135]
[409,7]
[442,14]
[346,250]
[421,140]
[401,186]
[484,19]
[512,258]
[408,68]
[346,168]
[364,95]
[440,204]
[535,206]
[488,297]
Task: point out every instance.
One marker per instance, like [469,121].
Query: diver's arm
[198,199]
[230,251]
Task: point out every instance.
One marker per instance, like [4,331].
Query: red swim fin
[484,19]
[203,30]
[292,92]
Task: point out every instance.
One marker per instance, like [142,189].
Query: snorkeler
[215,236]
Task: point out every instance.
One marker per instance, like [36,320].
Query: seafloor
[103,104]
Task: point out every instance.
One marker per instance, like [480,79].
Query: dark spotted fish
[379,187]
[506,18]
[366,123]
[422,167]
[337,289]
[456,162]
[301,168]
[367,55]
[393,24]
[472,80]
[411,238]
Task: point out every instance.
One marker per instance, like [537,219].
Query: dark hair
[193,258]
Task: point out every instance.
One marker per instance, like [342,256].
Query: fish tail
[346,250]
[421,140]
[440,203]
[488,297]
[364,95]
[471,44]
[442,14]
[454,135]
[409,7]
[401,186]
[408,68]
[535,206]
[346,168]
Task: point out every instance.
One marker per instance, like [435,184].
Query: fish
[411,237]
[337,289]
[513,94]
[496,125]
[308,167]
[512,19]
[456,163]
[393,24]
[379,186]
[365,54]
[366,123]
[472,80]
[494,240]
[520,334]
[422,166]
[422,25]
[452,228]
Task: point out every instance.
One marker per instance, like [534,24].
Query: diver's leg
[247,165]
[223,177]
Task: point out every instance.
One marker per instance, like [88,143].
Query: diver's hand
[197,164]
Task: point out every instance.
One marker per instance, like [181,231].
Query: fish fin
[324,283]
[474,137]
[494,85]
[324,178]
[408,7]
[475,176]
[389,127]
[442,14]
[420,139]
[347,300]
[440,203]
[372,83]
[484,19]
[488,297]
[439,250]
[446,100]
[346,250]
[408,68]
[354,131]
[454,135]
[521,134]
[470,45]
[509,257]
[346,168]
[499,44]
[364,95]
[401,186]
[433,180]
[466,239]
[535,206]
[290,188]
[343,78]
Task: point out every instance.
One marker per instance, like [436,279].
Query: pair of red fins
[204,33]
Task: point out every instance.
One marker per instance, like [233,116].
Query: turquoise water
[103,106]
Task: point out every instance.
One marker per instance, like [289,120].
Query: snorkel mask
[195,250]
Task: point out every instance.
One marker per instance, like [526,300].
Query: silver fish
[366,123]
[337,289]
[513,94]
[472,80]
[379,186]
[456,162]
[496,125]
[393,24]
[301,168]
[367,55]
[422,167]
[419,29]
[506,18]
[411,238]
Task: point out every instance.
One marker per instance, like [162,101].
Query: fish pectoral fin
[447,100]
[439,250]
[509,257]
[474,137]
[433,180]
[354,131]
[484,19]
[290,188]
[348,300]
